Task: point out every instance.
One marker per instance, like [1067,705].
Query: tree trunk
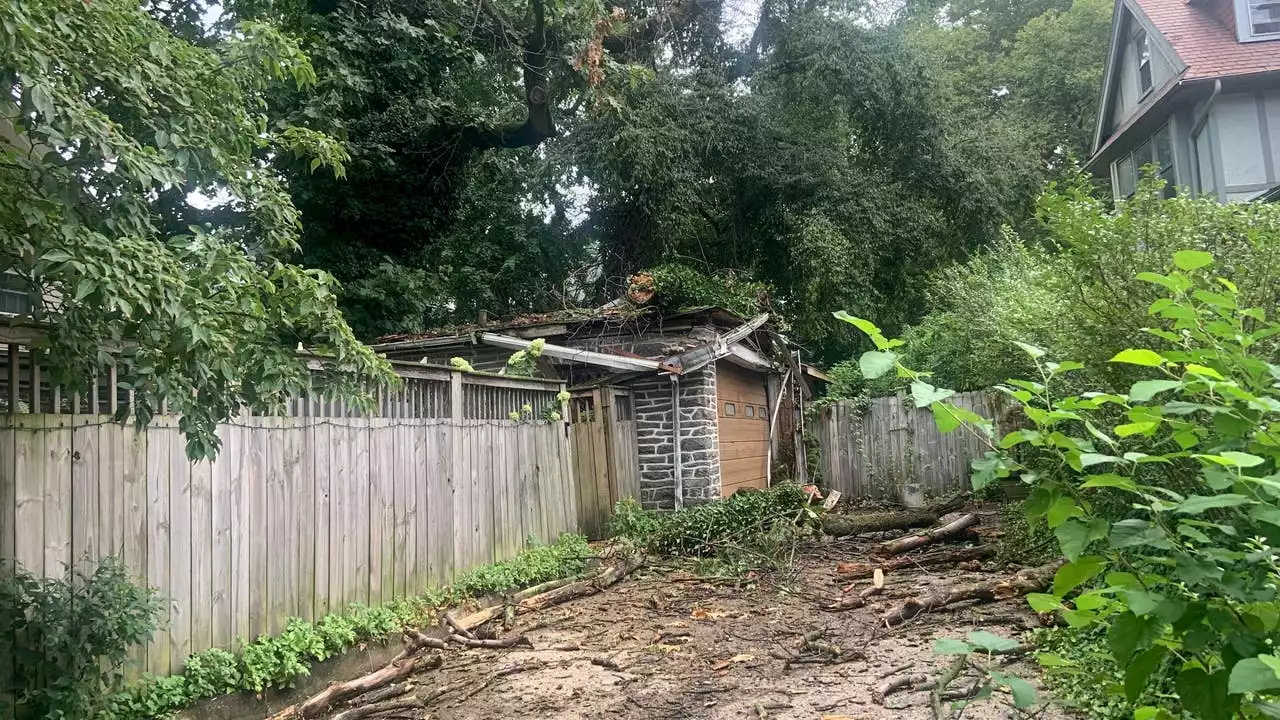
[1025,581]
[911,542]
[845,525]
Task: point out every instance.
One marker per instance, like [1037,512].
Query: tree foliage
[109,122]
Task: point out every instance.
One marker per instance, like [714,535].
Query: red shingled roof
[1207,44]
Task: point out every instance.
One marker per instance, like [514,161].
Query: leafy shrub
[69,638]
[1066,286]
[1083,674]
[1183,585]
[702,530]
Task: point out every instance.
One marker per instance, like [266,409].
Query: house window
[14,295]
[1142,48]
[1258,19]
[1156,152]
[730,409]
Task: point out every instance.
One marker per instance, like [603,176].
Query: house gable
[1128,89]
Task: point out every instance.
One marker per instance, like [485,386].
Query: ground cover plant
[266,662]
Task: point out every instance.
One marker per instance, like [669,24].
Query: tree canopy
[171,169]
[110,122]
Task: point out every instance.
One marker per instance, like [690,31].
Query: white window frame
[1244,21]
[1142,49]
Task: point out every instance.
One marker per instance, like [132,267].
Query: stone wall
[699,447]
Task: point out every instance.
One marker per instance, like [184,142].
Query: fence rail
[298,515]
[877,451]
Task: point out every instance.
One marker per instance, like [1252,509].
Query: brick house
[1193,88]
[700,403]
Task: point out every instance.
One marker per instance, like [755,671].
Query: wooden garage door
[744,428]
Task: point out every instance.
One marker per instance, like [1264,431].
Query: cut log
[855,602]
[343,691]
[410,707]
[942,532]
[854,571]
[1026,581]
[846,525]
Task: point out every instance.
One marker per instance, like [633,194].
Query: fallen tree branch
[560,593]
[506,642]
[340,692]
[853,570]
[911,542]
[384,709]
[893,685]
[1026,581]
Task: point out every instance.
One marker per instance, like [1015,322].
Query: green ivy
[280,660]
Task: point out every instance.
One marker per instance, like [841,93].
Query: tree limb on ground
[1026,581]
[846,525]
[855,570]
[410,661]
[911,542]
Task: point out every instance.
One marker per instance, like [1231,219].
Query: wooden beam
[586,357]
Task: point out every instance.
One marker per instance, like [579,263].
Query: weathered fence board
[298,516]
[877,451]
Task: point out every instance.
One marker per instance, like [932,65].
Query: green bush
[1066,285]
[278,661]
[1182,577]
[68,638]
[741,520]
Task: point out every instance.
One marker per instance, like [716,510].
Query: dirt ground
[662,644]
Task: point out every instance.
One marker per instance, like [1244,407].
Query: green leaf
[1196,504]
[875,363]
[1152,713]
[1110,480]
[1075,574]
[946,422]
[1017,437]
[1137,428]
[951,646]
[986,470]
[1089,459]
[925,394]
[1140,669]
[1063,508]
[1145,358]
[1131,533]
[1052,660]
[1074,536]
[1024,693]
[990,642]
[1192,259]
[1144,390]
[1204,371]
[1142,602]
[1032,350]
[1242,459]
[1043,602]
[1130,633]
[1254,675]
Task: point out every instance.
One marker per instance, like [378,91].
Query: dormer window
[1142,50]
[1258,19]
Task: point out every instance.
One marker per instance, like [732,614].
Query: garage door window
[751,411]
[730,409]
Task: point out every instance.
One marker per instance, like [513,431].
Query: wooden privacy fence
[299,515]
[876,452]
[606,456]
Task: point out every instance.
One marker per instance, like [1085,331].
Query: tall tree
[109,121]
